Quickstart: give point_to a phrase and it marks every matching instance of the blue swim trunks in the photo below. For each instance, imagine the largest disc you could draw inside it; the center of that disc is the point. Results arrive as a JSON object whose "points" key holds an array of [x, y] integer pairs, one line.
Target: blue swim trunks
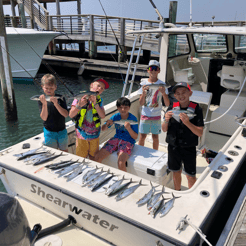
{"points": [[57, 140], [150, 126]]}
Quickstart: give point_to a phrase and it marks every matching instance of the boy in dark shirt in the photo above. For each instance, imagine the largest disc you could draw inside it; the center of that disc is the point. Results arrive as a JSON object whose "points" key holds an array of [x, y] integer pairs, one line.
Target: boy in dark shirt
{"points": [[53, 113], [182, 135]]}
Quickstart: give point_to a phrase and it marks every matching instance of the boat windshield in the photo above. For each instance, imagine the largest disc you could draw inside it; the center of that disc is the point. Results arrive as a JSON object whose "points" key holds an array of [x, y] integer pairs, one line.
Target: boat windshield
{"points": [[240, 44], [178, 45], [210, 43]]}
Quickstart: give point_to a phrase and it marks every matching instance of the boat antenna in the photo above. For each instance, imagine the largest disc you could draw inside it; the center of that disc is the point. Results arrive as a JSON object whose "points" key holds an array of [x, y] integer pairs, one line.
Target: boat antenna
{"points": [[158, 13], [121, 50], [190, 24]]}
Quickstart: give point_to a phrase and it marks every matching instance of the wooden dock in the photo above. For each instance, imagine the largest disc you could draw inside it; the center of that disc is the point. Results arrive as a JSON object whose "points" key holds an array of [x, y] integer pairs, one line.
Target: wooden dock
{"points": [[93, 64], [234, 233]]}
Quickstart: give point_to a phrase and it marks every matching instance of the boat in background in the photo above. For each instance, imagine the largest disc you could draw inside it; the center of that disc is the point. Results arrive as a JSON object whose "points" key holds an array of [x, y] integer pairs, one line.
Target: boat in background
{"points": [[215, 77], [26, 50]]}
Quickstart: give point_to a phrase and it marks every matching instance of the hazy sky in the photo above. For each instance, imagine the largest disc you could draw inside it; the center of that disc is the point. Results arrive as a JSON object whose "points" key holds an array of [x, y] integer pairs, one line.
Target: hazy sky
{"points": [[202, 10]]}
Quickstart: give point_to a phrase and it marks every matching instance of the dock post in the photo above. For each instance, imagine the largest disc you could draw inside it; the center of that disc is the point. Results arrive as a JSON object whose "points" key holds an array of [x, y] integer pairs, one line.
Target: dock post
{"points": [[6, 74], [92, 43], [82, 49], [172, 19], [122, 48], [13, 13], [22, 14]]}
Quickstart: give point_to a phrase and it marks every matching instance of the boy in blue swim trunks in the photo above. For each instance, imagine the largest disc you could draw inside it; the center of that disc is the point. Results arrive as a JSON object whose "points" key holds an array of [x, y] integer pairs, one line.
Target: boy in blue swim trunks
{"points": [[124, 139], [53, 114], [150, 100]]}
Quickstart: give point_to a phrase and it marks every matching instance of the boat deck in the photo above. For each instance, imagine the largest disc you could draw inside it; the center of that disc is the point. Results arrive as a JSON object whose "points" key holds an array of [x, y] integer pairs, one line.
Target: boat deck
{"points": [[79, 237]]}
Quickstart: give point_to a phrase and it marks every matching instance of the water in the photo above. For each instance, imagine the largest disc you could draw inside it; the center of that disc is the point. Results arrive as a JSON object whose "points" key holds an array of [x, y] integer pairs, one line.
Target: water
{"points": [[29, 122]]}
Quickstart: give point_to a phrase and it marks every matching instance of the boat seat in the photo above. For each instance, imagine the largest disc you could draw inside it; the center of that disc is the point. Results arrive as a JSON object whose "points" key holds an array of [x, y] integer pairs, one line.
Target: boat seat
{"points": [[231, 77], [182, 75]]}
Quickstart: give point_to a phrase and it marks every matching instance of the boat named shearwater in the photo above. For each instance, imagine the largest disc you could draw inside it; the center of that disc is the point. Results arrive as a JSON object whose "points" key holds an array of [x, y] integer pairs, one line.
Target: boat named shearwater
{"points": [[213, 61]]}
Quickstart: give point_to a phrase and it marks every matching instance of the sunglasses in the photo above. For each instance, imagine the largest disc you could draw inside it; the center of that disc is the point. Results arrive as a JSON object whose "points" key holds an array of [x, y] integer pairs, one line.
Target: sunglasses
{"points": [[153, 68]]}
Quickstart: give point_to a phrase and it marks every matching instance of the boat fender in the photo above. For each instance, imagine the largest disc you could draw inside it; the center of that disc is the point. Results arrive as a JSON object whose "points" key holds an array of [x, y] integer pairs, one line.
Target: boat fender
{"points": [[81, 69]]}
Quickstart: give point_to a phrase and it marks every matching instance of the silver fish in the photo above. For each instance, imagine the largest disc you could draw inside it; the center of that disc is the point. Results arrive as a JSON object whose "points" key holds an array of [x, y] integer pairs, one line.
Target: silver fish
{"points": [[75, 172], [61, 166], [156, 86], [46, 159], [99, 180], [28, 153], [89, 173], [57, 164], [37, 156], [156, 208], [154, 199], [112, 187], [167, 206], [147, 196], [67, 170], [177, 112], [120, 188], [36, 98], [122, 122], [128, 191], [92, 178], [83, 93], [100, 184]]}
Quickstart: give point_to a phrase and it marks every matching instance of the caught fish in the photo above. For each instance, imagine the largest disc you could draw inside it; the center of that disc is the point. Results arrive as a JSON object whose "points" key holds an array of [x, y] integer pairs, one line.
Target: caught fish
{"points": [[62, 166], [100, 180], [147, 196], [167, 206], [126, 192], [177, 112], [120, 188], [156, 208], [83, 93], [28, 153], [46, 159], [75, 172], [112, 187], [92, 178], [56, 164], [100, 184], [89, 173], [36, 98], [122, 122], [156, 86], [37, 156], [67, 170], [154, 199]]}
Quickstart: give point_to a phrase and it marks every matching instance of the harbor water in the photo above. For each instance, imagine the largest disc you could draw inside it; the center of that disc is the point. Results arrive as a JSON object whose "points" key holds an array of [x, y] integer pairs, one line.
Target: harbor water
{"points": [[29, 122]]}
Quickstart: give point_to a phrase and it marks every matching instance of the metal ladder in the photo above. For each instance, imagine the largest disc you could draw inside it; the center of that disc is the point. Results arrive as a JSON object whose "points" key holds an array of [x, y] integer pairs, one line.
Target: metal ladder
{"points": [[133, 65]]}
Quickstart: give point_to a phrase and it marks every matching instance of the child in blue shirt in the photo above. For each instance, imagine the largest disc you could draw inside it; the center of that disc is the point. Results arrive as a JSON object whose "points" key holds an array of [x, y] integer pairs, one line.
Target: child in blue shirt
{"points": [[125, 137]]}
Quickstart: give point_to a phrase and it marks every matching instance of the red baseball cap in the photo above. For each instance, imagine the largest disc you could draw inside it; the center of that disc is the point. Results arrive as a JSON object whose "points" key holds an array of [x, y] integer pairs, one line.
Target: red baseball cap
{"points": [[181, 84], [103, 81]]}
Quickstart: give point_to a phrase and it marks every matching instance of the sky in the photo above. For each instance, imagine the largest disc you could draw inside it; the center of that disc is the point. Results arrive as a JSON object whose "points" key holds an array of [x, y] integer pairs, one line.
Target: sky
{"points": [[202, 10]]}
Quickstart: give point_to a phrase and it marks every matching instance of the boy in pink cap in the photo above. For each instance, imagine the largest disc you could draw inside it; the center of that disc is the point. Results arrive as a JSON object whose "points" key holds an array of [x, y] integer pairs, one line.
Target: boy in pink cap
{"points": [[88, 113]]}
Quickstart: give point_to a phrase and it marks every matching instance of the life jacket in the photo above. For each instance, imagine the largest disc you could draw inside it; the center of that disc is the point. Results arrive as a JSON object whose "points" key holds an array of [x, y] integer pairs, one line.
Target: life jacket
{"points": [[179, 134], [82, 113]]}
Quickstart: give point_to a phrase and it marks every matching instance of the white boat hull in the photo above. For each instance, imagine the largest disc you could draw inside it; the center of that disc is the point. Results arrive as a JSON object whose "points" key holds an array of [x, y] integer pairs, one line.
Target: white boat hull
{"points": [[26, 49]]}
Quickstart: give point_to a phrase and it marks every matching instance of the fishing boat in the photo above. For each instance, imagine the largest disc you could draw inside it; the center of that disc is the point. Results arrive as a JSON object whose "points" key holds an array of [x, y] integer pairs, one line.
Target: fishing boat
{"points": [[23, 41], [216, 73]]}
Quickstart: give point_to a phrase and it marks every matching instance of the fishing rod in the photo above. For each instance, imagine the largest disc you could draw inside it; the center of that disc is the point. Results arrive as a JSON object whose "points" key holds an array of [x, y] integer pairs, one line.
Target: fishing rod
{"points": [[47, 65], [112, 30], [156, 10]]}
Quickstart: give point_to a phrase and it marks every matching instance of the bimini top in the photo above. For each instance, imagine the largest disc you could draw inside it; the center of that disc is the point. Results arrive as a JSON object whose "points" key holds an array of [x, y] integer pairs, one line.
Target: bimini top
{"points": [[233, 30]]}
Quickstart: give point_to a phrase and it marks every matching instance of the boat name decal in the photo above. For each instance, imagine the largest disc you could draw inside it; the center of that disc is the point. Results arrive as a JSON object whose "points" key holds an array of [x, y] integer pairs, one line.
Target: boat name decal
{"points": [[103, 223]]}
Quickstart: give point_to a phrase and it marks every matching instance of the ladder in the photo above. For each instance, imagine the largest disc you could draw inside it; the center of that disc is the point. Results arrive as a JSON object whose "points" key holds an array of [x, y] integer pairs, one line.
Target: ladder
{"points": [[132, 67]]}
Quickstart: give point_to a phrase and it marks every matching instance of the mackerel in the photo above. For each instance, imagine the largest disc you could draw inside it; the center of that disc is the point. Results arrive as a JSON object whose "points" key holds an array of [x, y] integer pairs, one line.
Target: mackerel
{"points": [[100, 184], [92, 177], [67, 170], [83, 93], [122, 122], [62, 166], [36, 98], [156, 86], [75, 172], [46, 160], [38, 156], [89, 173], [126, 192], [156, 208], [57, 163], [167, 206], [99, 180], [27, 152], [147, 196], [112, 187], [120, 188], [30, 154], [154, 199]]}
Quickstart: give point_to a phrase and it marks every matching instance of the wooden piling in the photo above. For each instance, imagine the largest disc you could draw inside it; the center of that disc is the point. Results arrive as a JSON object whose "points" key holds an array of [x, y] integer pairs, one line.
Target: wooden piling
{"points": [[6, 74]]}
